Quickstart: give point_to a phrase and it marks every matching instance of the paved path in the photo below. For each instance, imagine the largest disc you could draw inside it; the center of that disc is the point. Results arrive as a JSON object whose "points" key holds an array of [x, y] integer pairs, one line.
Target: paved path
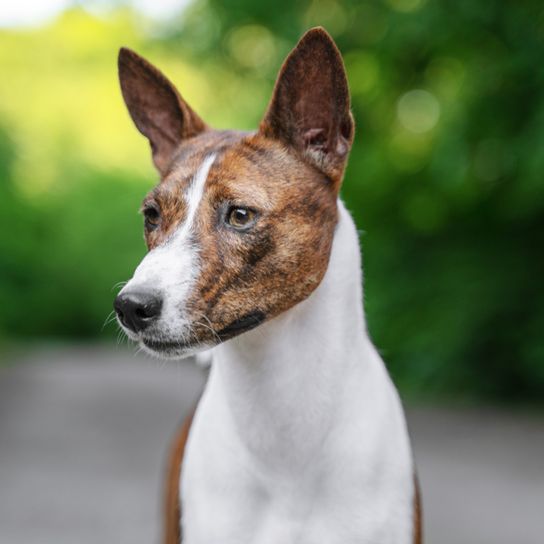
{"points": [[83, 434]]}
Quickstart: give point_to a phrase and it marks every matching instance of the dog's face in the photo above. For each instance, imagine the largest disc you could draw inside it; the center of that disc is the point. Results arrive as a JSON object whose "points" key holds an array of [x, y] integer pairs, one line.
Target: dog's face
{"points": [[240, 226]]}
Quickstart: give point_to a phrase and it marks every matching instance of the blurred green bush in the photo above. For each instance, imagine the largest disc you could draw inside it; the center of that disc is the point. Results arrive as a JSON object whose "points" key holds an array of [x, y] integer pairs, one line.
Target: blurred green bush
{"points": [[445, 178]]}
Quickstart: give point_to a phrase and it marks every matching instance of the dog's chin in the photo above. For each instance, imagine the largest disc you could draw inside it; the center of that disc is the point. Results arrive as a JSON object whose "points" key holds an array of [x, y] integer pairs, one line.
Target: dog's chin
{"points": [[165, 349], [170, 349]]}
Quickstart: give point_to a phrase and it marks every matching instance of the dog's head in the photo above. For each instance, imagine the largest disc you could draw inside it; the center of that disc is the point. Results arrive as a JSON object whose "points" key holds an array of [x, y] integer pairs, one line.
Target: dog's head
{"points": [[240, 226]]}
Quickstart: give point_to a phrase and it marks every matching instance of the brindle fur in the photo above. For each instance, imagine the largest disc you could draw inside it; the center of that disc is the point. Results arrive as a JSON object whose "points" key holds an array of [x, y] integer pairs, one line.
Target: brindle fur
{"points": [[247, 272], [289, 174]]}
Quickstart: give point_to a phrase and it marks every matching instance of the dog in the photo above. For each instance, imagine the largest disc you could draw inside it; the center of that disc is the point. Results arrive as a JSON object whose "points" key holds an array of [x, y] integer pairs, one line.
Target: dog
{"points": [[299, 436]]}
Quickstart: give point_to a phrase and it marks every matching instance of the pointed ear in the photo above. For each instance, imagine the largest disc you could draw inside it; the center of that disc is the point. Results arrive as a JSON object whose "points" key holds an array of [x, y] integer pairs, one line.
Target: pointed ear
{"points": [[156, 107], [310, 107]]}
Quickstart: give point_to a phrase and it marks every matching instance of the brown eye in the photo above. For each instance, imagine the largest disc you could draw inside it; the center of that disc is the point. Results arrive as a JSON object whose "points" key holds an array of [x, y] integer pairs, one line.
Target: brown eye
{"points": [[240, 218], [152, 217]]}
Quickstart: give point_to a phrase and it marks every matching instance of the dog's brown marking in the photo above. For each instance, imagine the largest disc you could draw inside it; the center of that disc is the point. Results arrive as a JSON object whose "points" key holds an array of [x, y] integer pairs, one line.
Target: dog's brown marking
{"points": [[418, 513], [289, 172], [168, 195], [172, 508], [279, 261]]}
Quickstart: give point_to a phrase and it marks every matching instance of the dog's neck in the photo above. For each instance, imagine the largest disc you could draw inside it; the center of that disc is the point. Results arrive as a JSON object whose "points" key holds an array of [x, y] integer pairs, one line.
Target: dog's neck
{"points": [[284, 382]]}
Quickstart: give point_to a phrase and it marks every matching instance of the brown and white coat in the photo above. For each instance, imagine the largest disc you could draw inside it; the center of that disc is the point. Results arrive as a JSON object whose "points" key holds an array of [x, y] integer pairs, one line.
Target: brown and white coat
{"points": [[299, 435]]}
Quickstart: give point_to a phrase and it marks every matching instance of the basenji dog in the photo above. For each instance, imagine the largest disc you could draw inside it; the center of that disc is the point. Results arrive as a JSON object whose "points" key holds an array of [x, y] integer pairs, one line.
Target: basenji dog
{"points": [[299, 436]]}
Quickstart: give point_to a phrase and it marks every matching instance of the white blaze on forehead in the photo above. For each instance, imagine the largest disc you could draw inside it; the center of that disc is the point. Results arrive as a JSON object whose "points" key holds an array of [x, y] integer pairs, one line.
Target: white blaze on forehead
{"points": [[172, 267], [194, 195]]}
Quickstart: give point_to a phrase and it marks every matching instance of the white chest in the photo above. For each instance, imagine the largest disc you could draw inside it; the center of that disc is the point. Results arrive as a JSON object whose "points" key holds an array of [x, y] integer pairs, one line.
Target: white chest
{"points": [[356, 486]]}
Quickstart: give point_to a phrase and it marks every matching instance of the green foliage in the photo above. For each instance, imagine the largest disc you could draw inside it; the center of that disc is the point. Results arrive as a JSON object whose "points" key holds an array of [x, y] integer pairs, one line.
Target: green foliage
{"points": [[445, 178], [62, 255]]}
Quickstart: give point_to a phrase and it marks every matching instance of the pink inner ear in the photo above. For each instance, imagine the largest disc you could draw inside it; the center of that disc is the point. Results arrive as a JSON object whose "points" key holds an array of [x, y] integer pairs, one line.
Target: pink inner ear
{"points": [[315, 137], [342, 146]]}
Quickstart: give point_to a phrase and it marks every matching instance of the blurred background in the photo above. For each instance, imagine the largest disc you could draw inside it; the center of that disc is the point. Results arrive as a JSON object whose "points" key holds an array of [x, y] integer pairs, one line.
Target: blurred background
{"points": [[445, 182]]}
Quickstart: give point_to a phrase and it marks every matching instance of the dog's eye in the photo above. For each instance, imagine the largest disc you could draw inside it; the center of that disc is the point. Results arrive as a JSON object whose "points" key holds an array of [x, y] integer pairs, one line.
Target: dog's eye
{"points": [[240, 218], [152, 217]]}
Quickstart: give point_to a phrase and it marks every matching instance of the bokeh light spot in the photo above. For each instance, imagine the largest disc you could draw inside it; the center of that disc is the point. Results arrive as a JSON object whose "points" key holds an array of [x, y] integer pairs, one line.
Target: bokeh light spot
{"points": [[252, 46], [418, 111]]}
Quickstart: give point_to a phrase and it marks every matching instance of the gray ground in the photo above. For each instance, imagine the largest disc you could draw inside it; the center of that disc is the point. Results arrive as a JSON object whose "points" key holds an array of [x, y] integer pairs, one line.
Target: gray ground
{"points": [[83, 435]]}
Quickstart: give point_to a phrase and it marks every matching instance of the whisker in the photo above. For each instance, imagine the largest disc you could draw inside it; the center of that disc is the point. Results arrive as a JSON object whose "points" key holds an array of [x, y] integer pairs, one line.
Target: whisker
{"points": [[109, 319], [119, 284], [120, 336], [213, 331]]}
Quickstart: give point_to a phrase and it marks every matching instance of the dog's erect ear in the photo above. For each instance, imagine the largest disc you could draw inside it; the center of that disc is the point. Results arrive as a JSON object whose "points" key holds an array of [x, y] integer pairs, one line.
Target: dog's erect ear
{"points": [[310, 107], [157, 109]]}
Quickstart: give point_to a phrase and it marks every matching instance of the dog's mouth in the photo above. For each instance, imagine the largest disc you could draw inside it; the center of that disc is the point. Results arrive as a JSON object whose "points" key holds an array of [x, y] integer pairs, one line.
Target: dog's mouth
{"points": [[242, 324], [184, 347], [170, 348], [159, 345]]}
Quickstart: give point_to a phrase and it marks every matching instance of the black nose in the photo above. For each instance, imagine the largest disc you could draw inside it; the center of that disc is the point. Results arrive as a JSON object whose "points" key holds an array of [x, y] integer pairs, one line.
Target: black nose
{"points": [[137, 310]]}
